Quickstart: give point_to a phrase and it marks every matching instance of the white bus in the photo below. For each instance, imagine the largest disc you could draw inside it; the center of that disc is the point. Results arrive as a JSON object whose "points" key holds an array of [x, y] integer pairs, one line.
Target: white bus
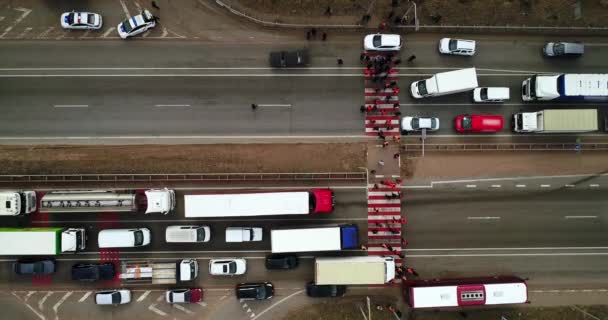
{"points": [[439, 293]]}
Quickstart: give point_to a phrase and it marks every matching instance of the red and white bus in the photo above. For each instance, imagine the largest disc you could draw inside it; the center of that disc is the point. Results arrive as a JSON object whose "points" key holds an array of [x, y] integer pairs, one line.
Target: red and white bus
{"points": [[465, 292]]}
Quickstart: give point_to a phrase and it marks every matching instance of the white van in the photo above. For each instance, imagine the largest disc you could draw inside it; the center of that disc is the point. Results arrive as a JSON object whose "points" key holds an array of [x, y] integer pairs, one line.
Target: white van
{"points": [[124, 238], [491, 94], [244, 234], [187, 234]]}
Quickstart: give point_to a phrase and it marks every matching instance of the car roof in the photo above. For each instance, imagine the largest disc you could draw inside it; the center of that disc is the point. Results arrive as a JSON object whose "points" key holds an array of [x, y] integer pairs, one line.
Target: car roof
{"points": [[393, 40], [466, 44]]}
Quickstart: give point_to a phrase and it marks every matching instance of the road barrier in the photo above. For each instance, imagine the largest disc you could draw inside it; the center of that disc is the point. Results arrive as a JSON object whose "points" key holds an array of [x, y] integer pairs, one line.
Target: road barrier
{"points": [[187, 177], [506, 147]]}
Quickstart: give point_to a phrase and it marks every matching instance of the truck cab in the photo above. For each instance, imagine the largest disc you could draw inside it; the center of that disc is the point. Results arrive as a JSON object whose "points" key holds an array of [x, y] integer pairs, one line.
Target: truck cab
{"points": [[16, 203], [73, 240], [160, 201], [525, 122], [322, 201]]}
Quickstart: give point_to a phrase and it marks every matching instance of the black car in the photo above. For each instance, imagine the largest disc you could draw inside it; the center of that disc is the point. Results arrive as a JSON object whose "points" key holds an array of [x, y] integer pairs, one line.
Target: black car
{"points": [[278, 261], [34, 266], [313, 290], [93, 271], [255, 291], [289, 59]]}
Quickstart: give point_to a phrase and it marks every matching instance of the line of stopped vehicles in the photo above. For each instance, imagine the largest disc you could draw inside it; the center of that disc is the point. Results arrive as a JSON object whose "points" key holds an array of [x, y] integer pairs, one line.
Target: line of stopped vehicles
{"points": [[41, 244], [542, 87]]}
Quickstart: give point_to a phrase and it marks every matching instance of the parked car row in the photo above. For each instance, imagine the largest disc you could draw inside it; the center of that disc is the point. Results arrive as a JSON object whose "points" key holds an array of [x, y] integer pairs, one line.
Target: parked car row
{"points": [[93, 21], [138, 237], [463, 47], [464, 123]]}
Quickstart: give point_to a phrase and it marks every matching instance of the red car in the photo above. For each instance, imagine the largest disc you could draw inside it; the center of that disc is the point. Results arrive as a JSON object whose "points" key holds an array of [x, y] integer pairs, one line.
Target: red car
{"points": [[478, 123]]}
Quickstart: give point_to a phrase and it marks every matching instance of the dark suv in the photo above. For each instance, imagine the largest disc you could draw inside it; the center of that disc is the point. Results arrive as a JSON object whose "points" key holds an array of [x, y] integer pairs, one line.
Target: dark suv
{"points": [[34, 266], [255, 291], [278, 261], [93, 271], [313, 290]]}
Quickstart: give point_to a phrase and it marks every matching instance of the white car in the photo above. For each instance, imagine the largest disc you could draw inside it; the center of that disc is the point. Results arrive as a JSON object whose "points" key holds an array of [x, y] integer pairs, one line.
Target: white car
{"points": [[382, 42], [136, 25], [457, 47], [116, 296], [244, 234], [418, 123], [81, 20], [491, 94], [227, 267]]}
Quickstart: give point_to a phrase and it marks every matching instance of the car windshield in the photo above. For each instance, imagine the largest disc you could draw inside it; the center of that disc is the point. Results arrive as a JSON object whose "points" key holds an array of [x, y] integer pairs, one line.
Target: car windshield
{"points": [[70, 18], [187, 296], [261, 292], [139, 238], [453, 45], [483, 93], [422, 88], [127, 25], [231, 267], [558, 48], [90, 18], [433, 123], [200, 234], [312, 203], [466, 123], [377, 41], [415, 123], [115, 298]]}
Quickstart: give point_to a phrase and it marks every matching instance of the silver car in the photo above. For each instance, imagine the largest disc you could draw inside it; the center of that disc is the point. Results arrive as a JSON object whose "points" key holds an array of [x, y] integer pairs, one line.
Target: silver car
{"points": [[419, 123]]}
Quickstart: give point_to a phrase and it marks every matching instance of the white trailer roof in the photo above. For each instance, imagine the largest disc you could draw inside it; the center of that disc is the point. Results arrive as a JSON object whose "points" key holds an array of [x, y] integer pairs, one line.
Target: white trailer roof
{"points": [[457, 80], [447, 296], [353, 270], [246, 204], [586, 84], [304, 240], [28, 243]]}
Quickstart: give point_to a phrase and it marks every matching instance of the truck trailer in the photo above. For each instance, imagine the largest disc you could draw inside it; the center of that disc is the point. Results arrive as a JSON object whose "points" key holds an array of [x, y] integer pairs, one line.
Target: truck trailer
{"points": [[41, 241], [556, 121], [17, 202], [148, 201], [354, 270], [445, 83], [320, 238], [159, 272], [568, 87], [259, 203]]}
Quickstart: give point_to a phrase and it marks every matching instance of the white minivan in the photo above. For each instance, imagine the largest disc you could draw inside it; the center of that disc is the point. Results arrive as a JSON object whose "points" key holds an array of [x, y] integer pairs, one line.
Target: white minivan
{"points": [[491, 94], [124, 238], [187, 234], [244, 234]]}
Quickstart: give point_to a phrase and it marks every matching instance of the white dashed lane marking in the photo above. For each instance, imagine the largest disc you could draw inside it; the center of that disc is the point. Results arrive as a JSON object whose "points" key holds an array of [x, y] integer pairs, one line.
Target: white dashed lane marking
{"points": [[43, 300], [25, 13], [143, 296]]}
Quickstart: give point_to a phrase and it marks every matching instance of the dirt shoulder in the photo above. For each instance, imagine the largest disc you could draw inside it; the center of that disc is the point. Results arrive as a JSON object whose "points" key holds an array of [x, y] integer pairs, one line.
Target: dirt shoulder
{"points": [[246, 158], [553, 13]]}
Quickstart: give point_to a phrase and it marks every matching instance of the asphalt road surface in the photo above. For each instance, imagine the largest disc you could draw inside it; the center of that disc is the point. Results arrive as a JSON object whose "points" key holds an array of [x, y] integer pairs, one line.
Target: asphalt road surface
{"points": [[128, 89]]}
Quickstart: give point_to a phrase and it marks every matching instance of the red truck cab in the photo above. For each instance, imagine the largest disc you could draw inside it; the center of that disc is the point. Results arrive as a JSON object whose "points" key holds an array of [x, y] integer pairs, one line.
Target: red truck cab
{"points": [[322, 200], [478, 123]]}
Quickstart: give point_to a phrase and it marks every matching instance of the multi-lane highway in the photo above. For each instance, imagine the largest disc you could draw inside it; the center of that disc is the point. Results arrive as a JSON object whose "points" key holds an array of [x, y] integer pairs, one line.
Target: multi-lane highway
{"points": [[521, 232], [136, 89]]}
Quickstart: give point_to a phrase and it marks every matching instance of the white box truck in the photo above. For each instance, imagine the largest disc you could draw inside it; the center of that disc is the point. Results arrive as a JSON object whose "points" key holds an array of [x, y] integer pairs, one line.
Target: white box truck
{"points": [[17, 202], [148, 201], [259, 203], [445, 83], [159, 272], [576, 87], [556, 121], [321, 238], [41, 241], [354, 270]]}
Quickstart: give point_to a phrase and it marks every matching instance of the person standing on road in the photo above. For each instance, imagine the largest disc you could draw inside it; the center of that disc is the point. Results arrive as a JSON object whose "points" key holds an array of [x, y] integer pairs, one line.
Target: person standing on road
{"points": [[381, 162], [254, 106], [411, 58]]}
